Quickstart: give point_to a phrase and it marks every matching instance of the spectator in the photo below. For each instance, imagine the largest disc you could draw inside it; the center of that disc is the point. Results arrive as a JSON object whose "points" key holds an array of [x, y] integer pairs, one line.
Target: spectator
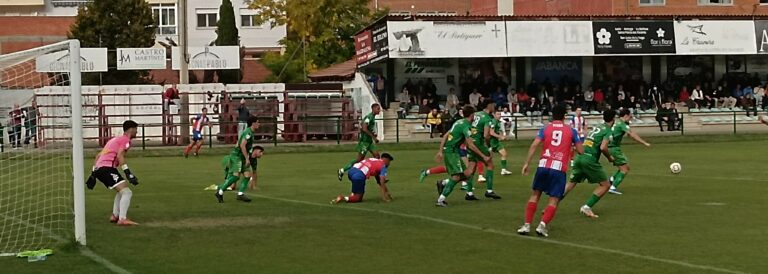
{"points": [[474, 97], [451, 109], [30, 123], [243, 114], [599, 99], [610, 96], [673, 117], [697, 96], [589, 99], [662, 116], [452, 99], [656, 97], [729, 98], [433, 103], [684, 96], [424, 107], [533, 108], [632, 104], [404, 98], [433, 121], [171, 96], [758, 98], [745, 98], [17, 116], [621, 96], [579, 98], [381, 91], [549, 103], [446, 122], [522, 99], [500, 98], [512, 100], [709, 98]]}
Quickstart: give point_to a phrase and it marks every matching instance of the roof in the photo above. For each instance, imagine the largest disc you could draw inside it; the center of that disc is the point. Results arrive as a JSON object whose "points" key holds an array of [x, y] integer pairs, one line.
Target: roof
{"points": [[338, 72]]}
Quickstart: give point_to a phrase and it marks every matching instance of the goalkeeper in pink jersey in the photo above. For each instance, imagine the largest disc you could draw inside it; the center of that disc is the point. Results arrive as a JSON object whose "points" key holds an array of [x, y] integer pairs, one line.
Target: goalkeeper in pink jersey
{"points": [[105, 167]]}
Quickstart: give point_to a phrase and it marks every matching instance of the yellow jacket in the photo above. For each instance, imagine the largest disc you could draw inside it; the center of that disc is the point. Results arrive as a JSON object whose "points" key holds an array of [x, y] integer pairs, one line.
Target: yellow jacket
{"points": [[433, 119]]}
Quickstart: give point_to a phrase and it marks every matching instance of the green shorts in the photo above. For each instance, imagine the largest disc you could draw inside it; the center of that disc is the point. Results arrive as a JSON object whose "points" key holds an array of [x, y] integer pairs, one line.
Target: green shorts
{"points": [[364, 147], [619, 159], [453, 163], [496, 145], [234, 163], [587, 168], [473, 157]]}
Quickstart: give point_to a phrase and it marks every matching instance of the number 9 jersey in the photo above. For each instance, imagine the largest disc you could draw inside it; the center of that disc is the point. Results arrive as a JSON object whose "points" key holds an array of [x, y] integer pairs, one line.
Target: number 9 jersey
{"points": [[558, 140]]}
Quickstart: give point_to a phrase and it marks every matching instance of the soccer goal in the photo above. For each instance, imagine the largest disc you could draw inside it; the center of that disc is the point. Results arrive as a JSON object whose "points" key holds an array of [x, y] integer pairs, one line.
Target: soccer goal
{"points": [[41, 160]]}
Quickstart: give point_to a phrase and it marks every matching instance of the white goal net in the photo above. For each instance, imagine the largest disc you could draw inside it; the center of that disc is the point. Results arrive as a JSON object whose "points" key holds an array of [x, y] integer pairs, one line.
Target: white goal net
{"points": [[37, 208]]}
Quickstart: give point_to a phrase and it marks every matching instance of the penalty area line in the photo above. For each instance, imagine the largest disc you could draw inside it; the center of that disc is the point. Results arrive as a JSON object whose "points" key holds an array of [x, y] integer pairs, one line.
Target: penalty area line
{"points": [[512, 234], [84, 250]]}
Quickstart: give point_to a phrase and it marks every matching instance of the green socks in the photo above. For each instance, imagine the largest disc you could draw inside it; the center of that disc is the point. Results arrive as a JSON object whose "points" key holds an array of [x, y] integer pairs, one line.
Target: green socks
{"points": [[593, 200], [449, 187], [243, 185], [618, 178], [349, 165], [471, 183], [489, 179], [231, 179], [504, 164]]}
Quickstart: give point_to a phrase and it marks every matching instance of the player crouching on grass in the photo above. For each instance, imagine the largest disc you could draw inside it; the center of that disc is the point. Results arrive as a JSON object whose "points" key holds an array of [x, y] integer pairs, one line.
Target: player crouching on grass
{"points": [[239, 162], [363, 170], [105, 170], [257, 152], [557, 139]]}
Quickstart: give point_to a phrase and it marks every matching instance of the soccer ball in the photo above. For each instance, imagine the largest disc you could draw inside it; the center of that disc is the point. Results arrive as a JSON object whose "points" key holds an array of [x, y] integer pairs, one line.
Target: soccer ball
{"points": [[675, 168]]}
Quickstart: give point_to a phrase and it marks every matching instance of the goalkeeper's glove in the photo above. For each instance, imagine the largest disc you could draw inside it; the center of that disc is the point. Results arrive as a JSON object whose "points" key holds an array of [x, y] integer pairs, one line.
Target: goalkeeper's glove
{"points": [[91, 182], [131, 178]]}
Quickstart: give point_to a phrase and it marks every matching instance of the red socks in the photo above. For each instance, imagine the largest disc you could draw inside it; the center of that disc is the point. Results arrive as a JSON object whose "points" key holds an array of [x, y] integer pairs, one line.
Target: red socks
{"points": [[549, 213], [355, 198], [197, 149], [437, 170], [186, 150], [530, 210], [480, 168]]}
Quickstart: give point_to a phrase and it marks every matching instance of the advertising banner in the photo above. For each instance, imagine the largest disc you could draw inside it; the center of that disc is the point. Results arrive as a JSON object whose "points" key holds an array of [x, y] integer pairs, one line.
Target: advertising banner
{"points": [[556, 69], [424, 39], [371, 45], [715, 37], [91, 60], [140, 58], [549, 38], [633, 37], [209, 58]]}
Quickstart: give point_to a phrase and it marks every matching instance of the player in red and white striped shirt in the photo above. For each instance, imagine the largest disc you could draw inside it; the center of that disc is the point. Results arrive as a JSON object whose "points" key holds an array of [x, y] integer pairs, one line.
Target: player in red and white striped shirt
{"points": [[557, 139], [577, 122], [196, 141]]}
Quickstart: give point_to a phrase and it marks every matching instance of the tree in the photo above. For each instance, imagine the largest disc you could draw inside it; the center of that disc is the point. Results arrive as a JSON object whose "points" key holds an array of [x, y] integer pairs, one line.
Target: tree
{"points": [[320, 33], [227, 35], [115, 24]]}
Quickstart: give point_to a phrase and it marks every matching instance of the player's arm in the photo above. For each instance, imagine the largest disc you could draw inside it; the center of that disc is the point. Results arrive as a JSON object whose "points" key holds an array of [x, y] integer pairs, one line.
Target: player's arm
{"points": [[487, 134], [381, 180], [577, 142], [244, 151], [368, 132], [637, 138], [496, 135], [531, 151], [604, 150], [121, 162]]}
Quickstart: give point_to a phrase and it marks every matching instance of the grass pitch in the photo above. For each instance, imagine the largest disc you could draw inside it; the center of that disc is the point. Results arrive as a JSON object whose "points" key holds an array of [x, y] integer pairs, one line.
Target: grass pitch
{"points": [[708, 219]]}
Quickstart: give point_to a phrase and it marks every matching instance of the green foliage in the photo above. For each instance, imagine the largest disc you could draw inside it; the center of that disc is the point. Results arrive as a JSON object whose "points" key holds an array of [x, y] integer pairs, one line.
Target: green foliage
{"points": [[327, 28], [115, 24], [227, 35]]}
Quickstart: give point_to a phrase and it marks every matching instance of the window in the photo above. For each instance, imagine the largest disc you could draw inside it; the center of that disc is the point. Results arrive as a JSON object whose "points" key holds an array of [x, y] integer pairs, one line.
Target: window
{"points": [[165, 18], [207, 18], [247, 18], [652, 2], [715, 2]]}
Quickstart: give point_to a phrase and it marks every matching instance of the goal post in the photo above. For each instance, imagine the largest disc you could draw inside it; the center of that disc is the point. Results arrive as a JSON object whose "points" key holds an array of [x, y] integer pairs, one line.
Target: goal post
{"points": [[42, 170]]}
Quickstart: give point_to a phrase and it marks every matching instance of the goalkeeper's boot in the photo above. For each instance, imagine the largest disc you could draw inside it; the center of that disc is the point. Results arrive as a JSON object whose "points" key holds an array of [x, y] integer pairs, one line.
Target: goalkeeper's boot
{"points": [[243, 198], [219, 197], [126, 222], [340, 174], [113, 219], [423, 176]]}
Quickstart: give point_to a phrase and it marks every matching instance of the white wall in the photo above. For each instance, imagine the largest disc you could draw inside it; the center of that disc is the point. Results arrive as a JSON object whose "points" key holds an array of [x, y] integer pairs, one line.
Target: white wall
{"points": [[250, 37]]}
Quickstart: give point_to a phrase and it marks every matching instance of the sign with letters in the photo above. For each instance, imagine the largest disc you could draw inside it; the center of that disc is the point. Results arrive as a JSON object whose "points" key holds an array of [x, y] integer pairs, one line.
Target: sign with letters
{"points": [[449, 39], [549, 38], [371, 45], [140, 58], [209, 58], [91, 60], [761, 36], [633, 37], [715, 37]]}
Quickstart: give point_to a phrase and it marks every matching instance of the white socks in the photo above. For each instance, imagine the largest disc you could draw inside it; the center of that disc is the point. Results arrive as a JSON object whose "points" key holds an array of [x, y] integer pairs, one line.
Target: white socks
{"points": [[116, 206], [441, 198], [125, 202]]}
